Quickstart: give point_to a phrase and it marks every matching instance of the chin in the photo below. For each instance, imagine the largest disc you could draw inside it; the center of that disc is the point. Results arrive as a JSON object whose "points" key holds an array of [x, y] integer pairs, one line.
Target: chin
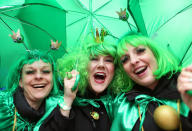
{"points": [[41, 96], [99, 89]]}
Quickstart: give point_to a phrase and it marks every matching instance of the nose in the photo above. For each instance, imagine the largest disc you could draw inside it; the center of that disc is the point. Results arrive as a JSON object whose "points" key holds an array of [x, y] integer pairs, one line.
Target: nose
{"points": [[134, 59], [101, 64], [38, 75]]}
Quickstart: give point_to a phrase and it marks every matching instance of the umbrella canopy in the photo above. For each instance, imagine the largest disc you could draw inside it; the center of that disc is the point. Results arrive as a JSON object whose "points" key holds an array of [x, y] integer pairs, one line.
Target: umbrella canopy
{"points": [[63, 20], [39, 21], [84, 16], [167, 22]]}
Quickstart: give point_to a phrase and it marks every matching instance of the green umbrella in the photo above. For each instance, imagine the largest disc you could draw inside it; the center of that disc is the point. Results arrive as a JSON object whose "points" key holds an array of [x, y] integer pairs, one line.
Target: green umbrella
{"points": [[168, 22], [68, 21], [84, 16], [39, 21]]}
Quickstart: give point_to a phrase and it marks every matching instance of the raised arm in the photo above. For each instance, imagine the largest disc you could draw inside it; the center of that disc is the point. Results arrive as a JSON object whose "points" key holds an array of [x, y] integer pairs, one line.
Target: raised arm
{"points": [[69, 95]]}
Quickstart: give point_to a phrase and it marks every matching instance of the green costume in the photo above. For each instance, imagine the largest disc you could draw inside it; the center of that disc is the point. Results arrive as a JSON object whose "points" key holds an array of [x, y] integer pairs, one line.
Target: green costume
{"points": [[7, 113], [125, 113]]}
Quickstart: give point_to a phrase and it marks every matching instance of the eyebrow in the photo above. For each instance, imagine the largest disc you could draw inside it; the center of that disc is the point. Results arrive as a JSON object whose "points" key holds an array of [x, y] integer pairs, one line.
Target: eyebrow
{"points": [[139, 46], [31, 67], [108, 56]]}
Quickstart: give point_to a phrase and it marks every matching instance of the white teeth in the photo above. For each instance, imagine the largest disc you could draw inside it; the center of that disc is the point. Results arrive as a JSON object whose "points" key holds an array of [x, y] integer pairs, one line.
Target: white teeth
{"points": [[38, 85], [102, 74], [140, 69]]}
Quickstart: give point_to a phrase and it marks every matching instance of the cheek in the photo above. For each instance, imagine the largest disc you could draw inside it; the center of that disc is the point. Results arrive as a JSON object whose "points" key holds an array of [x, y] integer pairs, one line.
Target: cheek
{"points": [[153, 63], [91, 67], [50, 78], [111, 70], [25, 79], [155, 66], [126, 67]]}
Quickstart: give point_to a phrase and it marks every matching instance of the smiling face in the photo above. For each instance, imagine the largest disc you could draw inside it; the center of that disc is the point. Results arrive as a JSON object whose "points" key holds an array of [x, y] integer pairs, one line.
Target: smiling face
{"points": [[36, 81], [101, 71], [139, 63]]}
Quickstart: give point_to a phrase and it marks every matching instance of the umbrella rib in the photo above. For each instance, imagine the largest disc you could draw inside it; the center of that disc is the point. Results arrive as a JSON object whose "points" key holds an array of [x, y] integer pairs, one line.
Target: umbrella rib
{"points": [[115, 19], [102, 6], [45, 5], [26, 5], [76, 21], [14, 9], [27, 23], [98, 21], [74, 11], [106, 28], [6, 24], [174, 16], [185, 53], [12, 30], [110, 16], [81, 32], [106, 16]]}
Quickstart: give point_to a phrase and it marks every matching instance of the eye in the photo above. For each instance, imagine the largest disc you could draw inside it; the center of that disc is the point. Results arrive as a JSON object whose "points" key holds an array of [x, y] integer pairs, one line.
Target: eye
{"points": [[28, 72], [46, 71], [109, 60], [140, 50], [93, 58], [124, 59]]}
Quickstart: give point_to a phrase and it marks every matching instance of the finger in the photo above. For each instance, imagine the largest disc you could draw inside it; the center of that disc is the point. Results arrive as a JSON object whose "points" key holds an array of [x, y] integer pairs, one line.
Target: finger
{"points": [[75, 72], [185, 73], [188, 68], [182, 88]]}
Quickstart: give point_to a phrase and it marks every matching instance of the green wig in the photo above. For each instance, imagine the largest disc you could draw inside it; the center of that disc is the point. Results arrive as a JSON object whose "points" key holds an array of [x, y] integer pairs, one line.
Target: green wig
{"points": [[82, 57], [15, 73], [166, 62]]}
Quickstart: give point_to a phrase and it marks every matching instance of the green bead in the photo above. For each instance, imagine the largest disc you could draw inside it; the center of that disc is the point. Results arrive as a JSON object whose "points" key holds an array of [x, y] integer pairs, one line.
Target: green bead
{"points": [[189, 92]]}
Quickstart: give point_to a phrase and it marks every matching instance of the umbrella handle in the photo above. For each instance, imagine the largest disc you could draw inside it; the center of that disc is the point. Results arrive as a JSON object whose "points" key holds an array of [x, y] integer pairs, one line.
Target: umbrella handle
{"points": [[76, 83]]}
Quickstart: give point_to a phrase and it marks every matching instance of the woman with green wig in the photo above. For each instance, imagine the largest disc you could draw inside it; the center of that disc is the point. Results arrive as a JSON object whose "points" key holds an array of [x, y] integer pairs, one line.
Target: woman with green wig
{"points": [[31, 92], [84, 108], [153, 103]]}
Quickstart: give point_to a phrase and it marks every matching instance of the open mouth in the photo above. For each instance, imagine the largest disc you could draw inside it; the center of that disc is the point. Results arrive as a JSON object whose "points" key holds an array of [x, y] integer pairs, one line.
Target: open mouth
{"points": [[99, 77], [39, 86], [140, 70]]}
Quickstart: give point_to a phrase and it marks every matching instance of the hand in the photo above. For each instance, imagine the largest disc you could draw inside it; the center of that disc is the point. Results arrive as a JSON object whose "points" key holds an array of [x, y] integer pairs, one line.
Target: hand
{"points": [[184, 83], [70, 95]]}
